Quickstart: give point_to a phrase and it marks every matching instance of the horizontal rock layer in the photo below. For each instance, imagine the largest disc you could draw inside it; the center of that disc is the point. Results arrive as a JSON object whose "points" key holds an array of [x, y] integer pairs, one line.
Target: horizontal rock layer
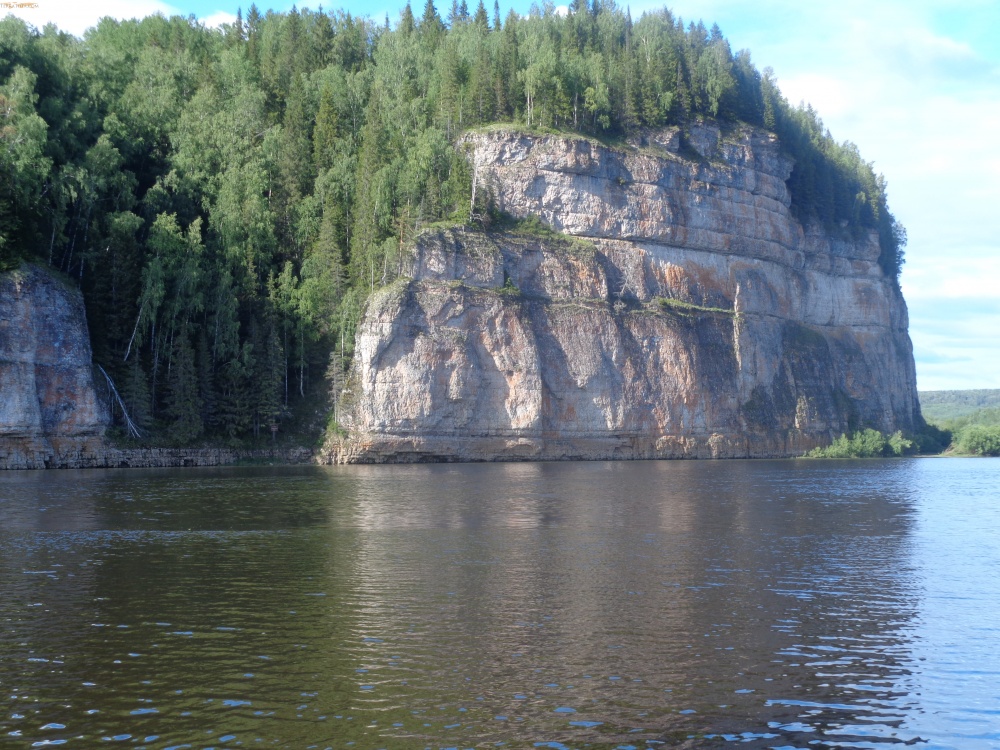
{"points": [[683, 312]]}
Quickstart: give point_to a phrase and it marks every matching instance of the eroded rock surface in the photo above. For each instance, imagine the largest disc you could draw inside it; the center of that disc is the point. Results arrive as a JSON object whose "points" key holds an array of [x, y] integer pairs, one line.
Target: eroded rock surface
{"points": [[49, 407], [683, 312]]}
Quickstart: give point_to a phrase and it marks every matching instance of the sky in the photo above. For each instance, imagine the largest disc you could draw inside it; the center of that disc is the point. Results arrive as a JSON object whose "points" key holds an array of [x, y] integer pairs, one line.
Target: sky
{"points": [[914, 83]]}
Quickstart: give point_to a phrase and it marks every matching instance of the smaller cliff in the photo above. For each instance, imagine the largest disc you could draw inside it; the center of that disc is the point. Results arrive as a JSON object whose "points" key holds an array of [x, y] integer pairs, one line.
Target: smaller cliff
{"points": [[50, 410]]}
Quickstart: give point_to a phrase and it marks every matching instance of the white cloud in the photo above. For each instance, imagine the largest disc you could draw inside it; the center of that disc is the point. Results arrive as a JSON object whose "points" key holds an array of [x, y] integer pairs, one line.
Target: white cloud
{"points": [[826, 94], [218, 18], [977, 277], [77, 17]]}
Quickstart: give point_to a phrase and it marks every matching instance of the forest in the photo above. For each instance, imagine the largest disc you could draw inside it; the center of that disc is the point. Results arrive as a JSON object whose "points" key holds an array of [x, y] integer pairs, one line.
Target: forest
{"points": [[228, 198], [969, 419]]}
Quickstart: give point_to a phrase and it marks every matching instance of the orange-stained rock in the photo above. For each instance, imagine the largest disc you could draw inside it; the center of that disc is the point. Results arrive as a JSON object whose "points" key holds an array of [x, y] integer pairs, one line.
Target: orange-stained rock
{"points": [[48, 402]]}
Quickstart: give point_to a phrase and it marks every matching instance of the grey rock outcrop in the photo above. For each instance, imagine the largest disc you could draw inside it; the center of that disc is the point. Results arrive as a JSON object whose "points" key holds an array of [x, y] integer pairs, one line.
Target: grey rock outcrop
{"points": [[682, 312], [49, 407]]}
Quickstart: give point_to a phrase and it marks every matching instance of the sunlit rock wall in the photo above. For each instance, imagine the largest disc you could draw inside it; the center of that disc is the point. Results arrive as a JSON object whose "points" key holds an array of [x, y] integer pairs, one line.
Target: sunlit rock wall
{"points": [[682, 312]]}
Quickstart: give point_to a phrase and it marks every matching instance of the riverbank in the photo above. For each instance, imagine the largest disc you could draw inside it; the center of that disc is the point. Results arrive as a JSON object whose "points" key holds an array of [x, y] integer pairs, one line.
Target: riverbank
{"points": [[99, 455]]}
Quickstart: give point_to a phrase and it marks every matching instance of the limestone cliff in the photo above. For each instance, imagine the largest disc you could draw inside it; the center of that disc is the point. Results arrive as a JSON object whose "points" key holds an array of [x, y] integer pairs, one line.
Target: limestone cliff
{"points": [[49, 408], [682, 312]]}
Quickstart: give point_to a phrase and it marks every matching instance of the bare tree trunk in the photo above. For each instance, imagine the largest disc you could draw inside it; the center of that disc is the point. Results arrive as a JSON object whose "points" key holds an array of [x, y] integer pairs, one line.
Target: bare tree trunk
{"points": [[138, 317], [130, 426]]}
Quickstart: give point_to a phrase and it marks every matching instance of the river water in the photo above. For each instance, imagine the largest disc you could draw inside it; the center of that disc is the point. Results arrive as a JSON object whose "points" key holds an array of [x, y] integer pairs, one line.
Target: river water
{"points": [[772, 604]]}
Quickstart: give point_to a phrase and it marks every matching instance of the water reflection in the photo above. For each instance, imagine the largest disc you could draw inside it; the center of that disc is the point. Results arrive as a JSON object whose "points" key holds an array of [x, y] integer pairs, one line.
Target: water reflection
{"points": [[775, 604], [658, 597]]}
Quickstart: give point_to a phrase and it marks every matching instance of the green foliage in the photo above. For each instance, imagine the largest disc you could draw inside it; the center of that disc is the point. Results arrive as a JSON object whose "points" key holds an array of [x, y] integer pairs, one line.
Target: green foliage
{"points": [[970, 420], [979, 440], [987, 416], [681, 306], [228, 198], [509, 288], [932, 439], [867, 443], [897, 444], [24, 165], [973, 432], [942, 407], [183, 405], [531, 225]]}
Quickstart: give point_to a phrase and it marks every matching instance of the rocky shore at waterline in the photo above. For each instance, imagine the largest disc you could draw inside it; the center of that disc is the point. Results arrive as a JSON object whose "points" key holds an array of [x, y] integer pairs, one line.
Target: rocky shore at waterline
{"points": [[97, 455]]}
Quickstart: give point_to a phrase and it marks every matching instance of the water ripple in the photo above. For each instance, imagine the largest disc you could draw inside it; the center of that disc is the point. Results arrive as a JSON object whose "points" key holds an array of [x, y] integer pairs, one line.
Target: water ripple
{"points": [[769, 604]]}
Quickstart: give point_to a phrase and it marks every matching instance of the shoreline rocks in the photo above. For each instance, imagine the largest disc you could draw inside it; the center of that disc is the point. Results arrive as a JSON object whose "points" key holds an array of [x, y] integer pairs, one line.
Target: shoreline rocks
{"points": [[97, 455]]}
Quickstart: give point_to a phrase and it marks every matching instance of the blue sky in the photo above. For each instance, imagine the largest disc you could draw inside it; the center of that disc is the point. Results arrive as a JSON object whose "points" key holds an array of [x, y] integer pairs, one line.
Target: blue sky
{"points": [[914, 83]]}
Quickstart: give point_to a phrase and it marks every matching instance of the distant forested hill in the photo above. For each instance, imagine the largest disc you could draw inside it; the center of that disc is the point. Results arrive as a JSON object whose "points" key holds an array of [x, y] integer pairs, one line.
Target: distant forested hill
{"points": [[972, 418], [228, 198], [943, 406]]}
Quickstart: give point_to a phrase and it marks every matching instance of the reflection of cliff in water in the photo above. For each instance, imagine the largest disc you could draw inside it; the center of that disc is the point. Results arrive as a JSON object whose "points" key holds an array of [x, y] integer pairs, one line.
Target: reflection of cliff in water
{"points": [[603, 603], [676, 598]]}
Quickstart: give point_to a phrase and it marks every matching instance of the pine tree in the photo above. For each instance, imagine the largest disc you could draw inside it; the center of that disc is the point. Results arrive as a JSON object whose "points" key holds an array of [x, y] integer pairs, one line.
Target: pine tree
{"points": [[321, 39], [369, 202], [183, 404], [253, 33], [134, 389], [292, 55], [326, 131], [406, 21], [770, 96], [430, 22], [482, 19], [294, 161], [481, 83], [234, 31]]}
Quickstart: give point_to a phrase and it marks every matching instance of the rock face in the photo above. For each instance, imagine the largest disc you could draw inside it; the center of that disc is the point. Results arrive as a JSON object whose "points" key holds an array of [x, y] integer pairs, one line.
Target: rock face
{"points": [[48, 404], [679, 311]]}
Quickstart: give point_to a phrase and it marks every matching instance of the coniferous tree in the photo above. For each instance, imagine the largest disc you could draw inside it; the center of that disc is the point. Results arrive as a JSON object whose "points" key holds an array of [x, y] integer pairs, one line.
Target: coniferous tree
{"points": [[253, 33], [326, 132], [296, 137], [430, 21], [482, 19], [183, 404], [234, 31], [370, 196], [406, 21]]}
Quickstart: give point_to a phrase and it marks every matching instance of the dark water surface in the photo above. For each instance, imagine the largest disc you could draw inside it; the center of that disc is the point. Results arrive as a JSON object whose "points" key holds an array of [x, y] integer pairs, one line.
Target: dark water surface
{"points": [[785, 604]]}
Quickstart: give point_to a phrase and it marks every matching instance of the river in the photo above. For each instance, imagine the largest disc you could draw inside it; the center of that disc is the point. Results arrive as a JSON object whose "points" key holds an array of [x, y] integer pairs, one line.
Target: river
{"points": [[771, 604]]}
